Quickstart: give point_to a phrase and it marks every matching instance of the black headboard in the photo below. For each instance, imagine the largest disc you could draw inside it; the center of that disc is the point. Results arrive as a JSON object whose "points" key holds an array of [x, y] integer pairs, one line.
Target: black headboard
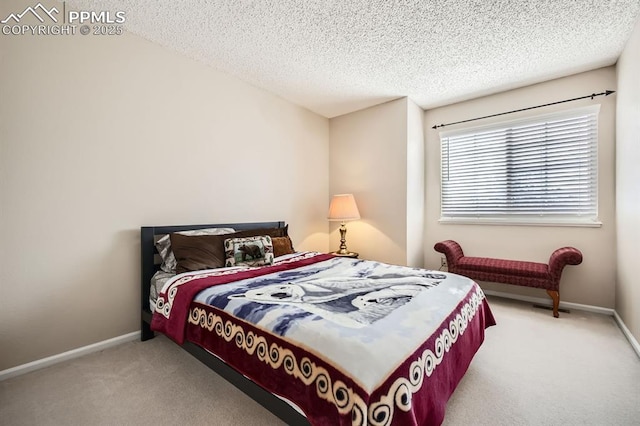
{"points": [[149, 263]]}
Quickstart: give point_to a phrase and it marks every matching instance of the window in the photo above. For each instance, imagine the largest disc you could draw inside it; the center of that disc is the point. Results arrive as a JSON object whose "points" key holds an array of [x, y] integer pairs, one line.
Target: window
{"points": [[540, 170]]}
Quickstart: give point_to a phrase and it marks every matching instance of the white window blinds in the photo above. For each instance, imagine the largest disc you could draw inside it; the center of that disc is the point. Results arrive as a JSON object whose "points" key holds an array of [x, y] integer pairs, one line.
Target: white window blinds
{"points": [[541, 169]]}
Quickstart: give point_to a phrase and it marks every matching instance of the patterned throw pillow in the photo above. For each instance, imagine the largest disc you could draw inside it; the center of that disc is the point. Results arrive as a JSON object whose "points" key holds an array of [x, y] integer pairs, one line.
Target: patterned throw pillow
{"points": [[249, 251]]}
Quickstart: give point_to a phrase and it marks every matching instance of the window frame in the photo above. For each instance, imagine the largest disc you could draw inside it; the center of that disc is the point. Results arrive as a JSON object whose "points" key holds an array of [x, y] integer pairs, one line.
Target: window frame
{"points": [[520, 219]]}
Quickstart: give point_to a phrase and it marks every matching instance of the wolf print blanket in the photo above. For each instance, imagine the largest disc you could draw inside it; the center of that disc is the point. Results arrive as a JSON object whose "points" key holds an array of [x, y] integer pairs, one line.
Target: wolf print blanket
{"points": [[348, 341]]}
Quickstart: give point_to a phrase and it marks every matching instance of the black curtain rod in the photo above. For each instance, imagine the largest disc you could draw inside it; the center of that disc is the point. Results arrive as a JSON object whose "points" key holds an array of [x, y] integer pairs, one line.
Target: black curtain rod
{"points": [[593, 95]]}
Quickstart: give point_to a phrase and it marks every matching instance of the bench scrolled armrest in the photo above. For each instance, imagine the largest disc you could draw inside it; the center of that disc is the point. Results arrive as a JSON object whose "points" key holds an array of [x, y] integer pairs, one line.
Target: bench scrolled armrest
{"points": [[562, 257], [452, 251]]}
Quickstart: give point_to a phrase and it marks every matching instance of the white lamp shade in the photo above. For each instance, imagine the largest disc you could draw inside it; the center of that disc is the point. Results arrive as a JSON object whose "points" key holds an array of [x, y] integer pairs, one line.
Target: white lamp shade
{"points": [[343, 207]]}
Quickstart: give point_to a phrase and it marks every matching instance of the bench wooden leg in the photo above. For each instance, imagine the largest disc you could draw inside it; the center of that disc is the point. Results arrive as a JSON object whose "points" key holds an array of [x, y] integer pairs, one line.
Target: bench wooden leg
{"points": [[555, 296]]}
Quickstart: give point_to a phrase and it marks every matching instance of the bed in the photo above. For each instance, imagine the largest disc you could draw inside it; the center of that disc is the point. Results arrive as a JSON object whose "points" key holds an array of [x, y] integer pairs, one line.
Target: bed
{"points": [[315, 338]]}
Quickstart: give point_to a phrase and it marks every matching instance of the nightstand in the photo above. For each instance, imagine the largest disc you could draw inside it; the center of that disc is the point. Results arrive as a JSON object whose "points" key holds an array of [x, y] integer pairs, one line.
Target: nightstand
{"points": [[350, 254]]}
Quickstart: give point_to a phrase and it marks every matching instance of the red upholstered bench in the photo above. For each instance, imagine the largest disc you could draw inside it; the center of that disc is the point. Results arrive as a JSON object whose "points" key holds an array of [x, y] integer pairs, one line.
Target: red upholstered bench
{"points": [[528, 274]]}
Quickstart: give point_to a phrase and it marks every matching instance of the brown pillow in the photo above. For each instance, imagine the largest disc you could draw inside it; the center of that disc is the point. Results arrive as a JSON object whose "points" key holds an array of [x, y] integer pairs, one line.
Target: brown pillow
{"points": [[281, 246], [197, 252]]}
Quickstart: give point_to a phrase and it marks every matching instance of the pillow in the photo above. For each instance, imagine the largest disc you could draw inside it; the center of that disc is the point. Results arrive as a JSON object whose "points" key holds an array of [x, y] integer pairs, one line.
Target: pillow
{"points": [[272, 232], [249, 251], [163, 245], [196, 252], [282, 246]]}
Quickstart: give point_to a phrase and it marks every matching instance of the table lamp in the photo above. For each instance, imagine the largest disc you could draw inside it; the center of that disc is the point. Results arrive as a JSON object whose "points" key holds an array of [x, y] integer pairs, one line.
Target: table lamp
{"points": [[342, 209]]}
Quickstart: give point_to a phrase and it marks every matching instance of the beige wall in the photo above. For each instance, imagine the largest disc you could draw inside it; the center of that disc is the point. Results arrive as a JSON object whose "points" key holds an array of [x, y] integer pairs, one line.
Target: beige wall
{"points": [[628, 184], [415, 185], [593, 282], [102, 135], [368, 157], [99, 136]]}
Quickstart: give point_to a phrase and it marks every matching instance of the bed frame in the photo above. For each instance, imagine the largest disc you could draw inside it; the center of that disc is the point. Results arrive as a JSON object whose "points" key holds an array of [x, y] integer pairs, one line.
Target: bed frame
{"points": [[150, 263]]}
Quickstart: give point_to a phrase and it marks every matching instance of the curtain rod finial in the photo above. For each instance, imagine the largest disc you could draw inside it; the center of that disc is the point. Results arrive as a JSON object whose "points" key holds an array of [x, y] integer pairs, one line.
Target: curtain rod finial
{"points": [[608, 92]]}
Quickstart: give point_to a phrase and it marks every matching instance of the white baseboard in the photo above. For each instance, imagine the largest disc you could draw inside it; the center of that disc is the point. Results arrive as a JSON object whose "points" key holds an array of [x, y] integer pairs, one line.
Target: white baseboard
{"points": [[549, 302], [74, 353], [577, 306], [627, 333]]}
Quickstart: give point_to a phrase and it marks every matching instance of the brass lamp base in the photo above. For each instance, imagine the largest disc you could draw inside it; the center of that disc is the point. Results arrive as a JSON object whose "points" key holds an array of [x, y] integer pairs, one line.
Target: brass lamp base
{"points": [[343, 251], [351, 254]]}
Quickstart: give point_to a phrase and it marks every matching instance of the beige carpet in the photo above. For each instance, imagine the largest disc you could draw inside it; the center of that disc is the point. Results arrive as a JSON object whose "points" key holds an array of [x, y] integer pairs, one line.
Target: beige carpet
{"points": [[532, 370]]}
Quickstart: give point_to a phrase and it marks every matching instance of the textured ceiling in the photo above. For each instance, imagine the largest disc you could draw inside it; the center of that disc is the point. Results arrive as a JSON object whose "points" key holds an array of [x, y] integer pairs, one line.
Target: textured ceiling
{"points": [[338, 56]]}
